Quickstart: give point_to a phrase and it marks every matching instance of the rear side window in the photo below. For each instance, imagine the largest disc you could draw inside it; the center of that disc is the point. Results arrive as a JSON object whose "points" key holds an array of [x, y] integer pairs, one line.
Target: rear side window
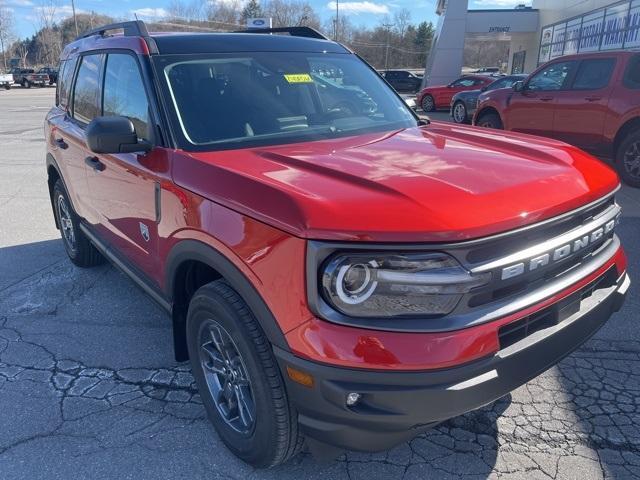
{"points": [[64, 82], [85, 92], [632, 75], [124, 92], [594, 74]]}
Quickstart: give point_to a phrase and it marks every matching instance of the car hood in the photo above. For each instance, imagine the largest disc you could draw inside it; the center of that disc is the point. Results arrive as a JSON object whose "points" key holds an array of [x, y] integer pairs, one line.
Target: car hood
{"points": [[429, 184]]}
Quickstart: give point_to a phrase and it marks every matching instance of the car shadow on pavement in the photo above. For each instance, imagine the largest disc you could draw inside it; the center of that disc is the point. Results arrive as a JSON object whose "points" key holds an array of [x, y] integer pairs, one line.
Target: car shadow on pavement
{"points": [[600, 383]]}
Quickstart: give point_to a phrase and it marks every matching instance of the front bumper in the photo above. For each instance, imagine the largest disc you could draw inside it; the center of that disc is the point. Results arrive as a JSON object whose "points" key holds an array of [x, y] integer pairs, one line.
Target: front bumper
{"points": [[396, 406]]}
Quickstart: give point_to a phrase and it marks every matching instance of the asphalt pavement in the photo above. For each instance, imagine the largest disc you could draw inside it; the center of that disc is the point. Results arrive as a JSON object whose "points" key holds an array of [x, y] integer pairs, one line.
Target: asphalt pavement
{"points": [[89, 388]]}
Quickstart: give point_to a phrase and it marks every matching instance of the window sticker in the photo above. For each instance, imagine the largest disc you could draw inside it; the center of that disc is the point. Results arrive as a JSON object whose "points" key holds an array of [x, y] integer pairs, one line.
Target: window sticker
{"points": [[298, 78]]}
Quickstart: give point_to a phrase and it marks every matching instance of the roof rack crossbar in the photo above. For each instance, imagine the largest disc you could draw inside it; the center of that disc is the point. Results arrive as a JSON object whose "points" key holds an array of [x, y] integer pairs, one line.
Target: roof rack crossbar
{"points": [[307, 32], [134, 28]]}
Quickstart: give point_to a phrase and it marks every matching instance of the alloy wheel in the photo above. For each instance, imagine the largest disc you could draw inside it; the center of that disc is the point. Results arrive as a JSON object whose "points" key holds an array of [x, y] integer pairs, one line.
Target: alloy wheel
{"points": [[632, 160], [459, 113], [226, 377], [66, 224], [427, 103]]}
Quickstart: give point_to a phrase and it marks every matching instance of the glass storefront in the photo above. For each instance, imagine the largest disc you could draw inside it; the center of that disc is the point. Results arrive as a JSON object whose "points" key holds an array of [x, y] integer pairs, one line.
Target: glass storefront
{"points": [[614, 27]]}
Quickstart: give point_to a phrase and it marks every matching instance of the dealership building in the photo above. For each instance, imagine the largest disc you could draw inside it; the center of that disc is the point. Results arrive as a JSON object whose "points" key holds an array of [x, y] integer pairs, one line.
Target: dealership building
{"points": [[536, 34]]}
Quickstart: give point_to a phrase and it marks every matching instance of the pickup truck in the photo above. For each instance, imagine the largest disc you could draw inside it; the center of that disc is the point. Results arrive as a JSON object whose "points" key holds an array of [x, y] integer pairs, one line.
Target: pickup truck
{"points": [[6, 80], [27, 77], [52, 72]]}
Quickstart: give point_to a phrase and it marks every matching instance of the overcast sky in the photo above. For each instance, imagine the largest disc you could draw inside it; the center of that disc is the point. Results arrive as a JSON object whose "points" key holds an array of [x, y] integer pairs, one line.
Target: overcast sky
{"points": [[365, 12]]}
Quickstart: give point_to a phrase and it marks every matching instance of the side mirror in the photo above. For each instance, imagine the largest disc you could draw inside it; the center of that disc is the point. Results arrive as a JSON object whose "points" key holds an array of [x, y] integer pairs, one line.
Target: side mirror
{"points": [[114, 135], [518, 86], [484, 89]]}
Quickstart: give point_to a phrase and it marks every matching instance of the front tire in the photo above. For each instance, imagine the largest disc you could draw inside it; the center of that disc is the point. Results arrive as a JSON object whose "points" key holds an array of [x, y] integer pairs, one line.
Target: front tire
{"points": [[238, 378], [78, 247], [428, 103], [628, 159], [490, 120], [26, 84], [459, 112]]}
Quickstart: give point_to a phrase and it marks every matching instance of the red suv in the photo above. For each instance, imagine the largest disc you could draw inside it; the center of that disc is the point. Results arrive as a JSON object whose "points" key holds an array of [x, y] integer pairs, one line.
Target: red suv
{"points": [[439, 97], [352, 276], [591, 100]]}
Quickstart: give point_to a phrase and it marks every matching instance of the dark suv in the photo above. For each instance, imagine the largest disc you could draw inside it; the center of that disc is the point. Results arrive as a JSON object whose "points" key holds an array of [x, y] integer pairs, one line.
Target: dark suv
{"points": [[403, 80], [350, 275]]}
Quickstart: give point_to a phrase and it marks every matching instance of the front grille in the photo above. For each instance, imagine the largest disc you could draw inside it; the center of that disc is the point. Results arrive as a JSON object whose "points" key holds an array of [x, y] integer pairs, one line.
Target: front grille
{"points": [[530, 237], [553, 315], [494, 255]]}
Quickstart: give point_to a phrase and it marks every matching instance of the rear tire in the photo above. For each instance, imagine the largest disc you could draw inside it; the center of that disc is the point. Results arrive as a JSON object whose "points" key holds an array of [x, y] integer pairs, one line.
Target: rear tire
{"points": [[233, 364], [78, 247], [459, 112], [627, 159], [26, 84], [428, 103], [490, 120]]}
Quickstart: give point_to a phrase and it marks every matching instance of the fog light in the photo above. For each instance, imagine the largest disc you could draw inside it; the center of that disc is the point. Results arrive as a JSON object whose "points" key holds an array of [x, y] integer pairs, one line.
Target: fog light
{"points": [[353, 398]]}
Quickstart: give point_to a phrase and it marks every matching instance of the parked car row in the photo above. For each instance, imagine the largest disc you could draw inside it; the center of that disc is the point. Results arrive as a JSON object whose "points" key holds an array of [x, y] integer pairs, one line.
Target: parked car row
{"points": [[28, 77]]}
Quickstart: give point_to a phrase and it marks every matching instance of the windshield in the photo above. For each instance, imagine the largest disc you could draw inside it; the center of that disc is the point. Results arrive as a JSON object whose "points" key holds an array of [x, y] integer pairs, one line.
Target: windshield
{"points": [[259, 98]]}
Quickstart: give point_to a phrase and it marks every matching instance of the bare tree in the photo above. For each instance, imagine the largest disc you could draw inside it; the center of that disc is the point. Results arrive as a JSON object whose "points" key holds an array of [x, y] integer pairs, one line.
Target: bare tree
{"points": [[6, 30], [291, 13], [224, 13], [48, 35], [191, 11], [402, 20]]}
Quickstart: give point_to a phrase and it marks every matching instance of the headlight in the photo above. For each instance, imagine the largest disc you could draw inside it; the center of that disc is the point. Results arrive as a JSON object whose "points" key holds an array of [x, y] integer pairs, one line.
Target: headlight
{"points": [[388, 285]]}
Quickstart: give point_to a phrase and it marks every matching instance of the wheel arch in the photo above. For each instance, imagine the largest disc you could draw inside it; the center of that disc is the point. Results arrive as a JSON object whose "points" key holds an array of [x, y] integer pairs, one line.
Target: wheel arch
{"points": [[629, 126], [489, 109], [53, 175], [191, 264]]}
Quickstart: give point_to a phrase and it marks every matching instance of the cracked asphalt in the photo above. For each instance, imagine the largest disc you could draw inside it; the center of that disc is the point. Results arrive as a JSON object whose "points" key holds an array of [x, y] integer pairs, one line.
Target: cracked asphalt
{"points": [[89, 388]]}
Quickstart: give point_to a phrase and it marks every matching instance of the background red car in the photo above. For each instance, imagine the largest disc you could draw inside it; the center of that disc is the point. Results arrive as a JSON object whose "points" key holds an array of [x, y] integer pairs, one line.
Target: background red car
{"points": [[590, 100], [435, 97]]}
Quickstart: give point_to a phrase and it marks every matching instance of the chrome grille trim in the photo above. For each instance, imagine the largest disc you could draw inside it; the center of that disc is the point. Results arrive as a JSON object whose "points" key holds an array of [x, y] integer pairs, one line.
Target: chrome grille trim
{"points": [[612, 214]]}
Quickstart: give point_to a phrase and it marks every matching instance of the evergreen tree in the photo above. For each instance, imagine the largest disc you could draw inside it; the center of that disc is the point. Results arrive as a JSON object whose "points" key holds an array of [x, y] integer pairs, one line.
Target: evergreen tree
{"points": [[252, 10]]}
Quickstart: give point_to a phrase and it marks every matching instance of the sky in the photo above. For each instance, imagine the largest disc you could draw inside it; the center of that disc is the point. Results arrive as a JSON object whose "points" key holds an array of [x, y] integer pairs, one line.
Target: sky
{"points": [[360, 12]]}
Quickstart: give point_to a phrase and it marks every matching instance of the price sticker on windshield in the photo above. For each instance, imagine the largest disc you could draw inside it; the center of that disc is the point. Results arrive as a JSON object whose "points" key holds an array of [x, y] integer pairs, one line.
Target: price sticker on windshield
{"points": [[298, 78]]}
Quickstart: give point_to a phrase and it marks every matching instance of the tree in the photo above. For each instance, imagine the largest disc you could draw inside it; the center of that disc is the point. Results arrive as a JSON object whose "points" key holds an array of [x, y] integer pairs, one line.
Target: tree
{"points": [[6, 30], [423, 40], [251, 10], [292, 13]]}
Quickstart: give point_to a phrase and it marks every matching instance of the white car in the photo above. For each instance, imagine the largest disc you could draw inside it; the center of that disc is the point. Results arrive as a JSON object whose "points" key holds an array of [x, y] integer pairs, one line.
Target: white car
{"points": [[6, 79]]}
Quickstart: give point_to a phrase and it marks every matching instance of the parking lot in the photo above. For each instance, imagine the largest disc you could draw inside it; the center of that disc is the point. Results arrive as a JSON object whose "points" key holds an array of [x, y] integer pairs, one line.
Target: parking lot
{"points": [[89, 387]]}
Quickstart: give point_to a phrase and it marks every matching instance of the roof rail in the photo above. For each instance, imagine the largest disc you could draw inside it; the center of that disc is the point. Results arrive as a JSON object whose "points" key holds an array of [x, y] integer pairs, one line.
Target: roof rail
{"points": [[134, 28], [307, 32]]}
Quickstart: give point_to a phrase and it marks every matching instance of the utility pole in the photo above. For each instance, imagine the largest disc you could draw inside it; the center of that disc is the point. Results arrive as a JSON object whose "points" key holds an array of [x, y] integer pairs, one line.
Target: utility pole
{"points": [[75, 19], [337, 25], [386, 54]]}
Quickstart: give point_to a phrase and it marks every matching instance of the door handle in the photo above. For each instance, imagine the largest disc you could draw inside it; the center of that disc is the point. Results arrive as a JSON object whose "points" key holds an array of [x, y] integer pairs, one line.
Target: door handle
{"points": [[95, 163], [61, 143], [592, 98], [546, 99]]}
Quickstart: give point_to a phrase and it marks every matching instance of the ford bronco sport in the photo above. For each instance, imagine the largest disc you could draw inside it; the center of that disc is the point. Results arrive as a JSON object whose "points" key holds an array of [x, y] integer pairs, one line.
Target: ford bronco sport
{"points": [[336, 271], [590, 100]]}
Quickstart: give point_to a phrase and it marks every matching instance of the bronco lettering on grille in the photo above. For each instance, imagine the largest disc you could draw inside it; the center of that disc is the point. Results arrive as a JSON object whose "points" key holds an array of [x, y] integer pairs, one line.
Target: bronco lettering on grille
{"points": [[558, 253]]}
